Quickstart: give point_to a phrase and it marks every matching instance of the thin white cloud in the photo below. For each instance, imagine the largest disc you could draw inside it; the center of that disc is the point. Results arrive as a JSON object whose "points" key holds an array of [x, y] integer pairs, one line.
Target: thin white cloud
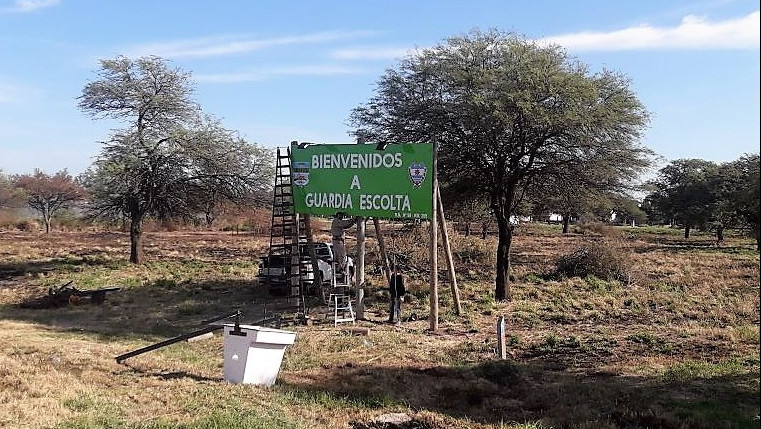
{"points": [[692, 33], [264, 74], [228, 45], [10, 93], [371, 53], [25, 6]]}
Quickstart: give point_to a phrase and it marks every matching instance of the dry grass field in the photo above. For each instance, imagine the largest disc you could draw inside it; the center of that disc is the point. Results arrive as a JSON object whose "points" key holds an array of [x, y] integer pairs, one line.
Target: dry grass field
{"points": [[672, 341]]}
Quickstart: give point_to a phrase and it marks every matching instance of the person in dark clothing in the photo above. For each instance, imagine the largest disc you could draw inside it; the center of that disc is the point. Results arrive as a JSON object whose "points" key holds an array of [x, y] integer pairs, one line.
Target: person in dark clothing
{"points": [[397, 291]]}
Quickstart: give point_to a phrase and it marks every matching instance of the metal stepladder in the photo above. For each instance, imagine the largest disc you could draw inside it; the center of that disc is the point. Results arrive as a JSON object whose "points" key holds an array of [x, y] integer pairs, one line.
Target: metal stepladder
{"points": [[288, 231], [340, 299]]}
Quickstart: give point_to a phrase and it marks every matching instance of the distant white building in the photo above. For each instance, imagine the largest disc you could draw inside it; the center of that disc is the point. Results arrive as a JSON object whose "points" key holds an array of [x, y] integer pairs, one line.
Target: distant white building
{"points": [[515, 220]]}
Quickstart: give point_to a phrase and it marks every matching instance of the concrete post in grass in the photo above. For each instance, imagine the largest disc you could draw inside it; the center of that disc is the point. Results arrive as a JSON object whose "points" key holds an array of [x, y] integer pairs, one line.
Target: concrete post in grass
{"points": [[501, 345]]}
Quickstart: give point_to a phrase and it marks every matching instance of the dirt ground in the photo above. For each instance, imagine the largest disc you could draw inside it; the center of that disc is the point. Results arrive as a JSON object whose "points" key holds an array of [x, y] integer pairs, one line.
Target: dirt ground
{"points": [[672, 346]]}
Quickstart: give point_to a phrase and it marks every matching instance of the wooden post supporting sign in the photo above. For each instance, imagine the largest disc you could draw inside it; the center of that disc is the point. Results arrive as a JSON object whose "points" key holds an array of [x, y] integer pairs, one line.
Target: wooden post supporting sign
{"points": [[448, 252], [433, 317]]}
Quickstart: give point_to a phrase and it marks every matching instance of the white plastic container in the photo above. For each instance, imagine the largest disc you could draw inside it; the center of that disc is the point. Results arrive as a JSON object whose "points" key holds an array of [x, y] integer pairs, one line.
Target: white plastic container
{"points": [[254, 355]]}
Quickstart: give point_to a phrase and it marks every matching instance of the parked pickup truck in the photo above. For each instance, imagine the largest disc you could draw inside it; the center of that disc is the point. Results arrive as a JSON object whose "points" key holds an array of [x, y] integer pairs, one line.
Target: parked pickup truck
{"points": [[273, 270]]}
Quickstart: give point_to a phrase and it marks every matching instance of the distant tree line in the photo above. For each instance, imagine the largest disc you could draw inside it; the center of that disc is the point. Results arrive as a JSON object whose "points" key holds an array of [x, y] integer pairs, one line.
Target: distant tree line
{"points": [[695, 193]]}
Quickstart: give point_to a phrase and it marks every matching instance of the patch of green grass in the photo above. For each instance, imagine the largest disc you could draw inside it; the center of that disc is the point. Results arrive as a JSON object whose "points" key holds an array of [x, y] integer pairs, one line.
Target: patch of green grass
{"points": [[601, 286], [500, 372], [667, 287], [191, 308], [597, 345], [526, 311], [743, 251], [654, 230], [87, 403], [99, 422], [486, 304], [513, 340], [715, 414], [250, 419], [343, 342], [533, 279], [692, 369], [560, 317], [470, 351], [553, 344], [165, 284], [747, 333], [190, 353], [572, 342], [334, 401], [652, 342]]}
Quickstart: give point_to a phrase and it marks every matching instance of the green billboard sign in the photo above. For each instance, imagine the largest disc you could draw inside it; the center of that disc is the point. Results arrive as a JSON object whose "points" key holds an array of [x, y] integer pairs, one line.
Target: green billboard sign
{"points": [[360, 180]]}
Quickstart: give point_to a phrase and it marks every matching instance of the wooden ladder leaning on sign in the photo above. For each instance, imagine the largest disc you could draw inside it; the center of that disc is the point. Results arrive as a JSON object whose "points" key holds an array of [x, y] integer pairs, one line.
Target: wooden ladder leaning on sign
{"points": [[288, 233]]}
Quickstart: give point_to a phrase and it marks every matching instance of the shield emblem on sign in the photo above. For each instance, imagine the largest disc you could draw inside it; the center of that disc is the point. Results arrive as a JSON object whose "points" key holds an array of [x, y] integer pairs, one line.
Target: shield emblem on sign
{"points": [[301, 174], [417, 174]]}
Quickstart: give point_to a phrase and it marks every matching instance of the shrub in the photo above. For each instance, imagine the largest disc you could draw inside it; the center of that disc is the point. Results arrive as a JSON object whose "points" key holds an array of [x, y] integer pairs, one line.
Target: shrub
{"points": [[595, 259], [471, 250], [28, 225], [599, 228], [68, 220], [8, 220]]}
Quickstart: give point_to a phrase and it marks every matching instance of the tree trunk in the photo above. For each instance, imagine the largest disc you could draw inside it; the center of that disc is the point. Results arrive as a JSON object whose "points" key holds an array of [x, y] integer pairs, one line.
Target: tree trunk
{"points": [[46, 218], [566, 221], [502, 208], [502, 286], [687, 231], [136, 239]]}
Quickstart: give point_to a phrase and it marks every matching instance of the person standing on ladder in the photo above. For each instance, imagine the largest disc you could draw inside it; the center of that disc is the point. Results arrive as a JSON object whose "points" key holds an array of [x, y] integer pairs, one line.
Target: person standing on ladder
{"points": [[338, 231]]}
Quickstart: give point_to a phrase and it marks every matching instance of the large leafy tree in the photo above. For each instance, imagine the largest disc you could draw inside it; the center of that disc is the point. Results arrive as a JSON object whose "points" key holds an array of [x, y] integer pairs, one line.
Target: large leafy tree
{"points": [[505, 112], [169, 160], [48, 194], [686, 191], [740, 196], [222, 159]]}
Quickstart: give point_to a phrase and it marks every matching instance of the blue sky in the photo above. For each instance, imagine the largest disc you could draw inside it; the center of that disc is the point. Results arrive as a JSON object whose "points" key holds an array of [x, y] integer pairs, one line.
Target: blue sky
{"points": [[283, 70]]}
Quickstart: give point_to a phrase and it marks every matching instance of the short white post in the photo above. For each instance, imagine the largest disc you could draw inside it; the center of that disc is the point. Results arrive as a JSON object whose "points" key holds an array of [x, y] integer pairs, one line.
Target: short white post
{"points": [[501, 347]]}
